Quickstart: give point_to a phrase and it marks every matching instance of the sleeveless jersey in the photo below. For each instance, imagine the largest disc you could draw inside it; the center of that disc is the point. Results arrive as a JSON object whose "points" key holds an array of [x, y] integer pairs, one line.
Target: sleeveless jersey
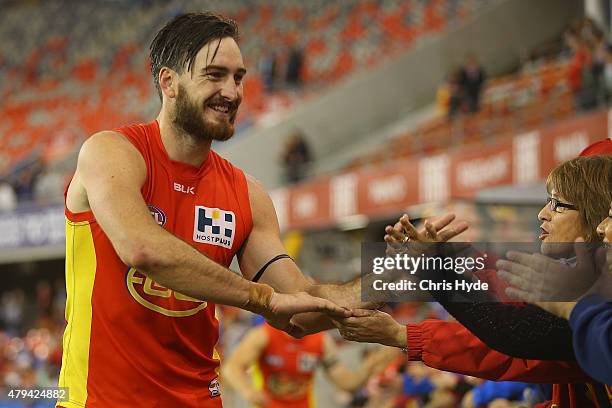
{"points": [[130, 342], [288, 366]]}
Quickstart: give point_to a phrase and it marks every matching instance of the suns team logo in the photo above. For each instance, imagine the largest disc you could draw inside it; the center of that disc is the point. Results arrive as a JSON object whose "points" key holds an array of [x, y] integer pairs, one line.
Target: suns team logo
{"points": [[214, 226], [160, 299]]}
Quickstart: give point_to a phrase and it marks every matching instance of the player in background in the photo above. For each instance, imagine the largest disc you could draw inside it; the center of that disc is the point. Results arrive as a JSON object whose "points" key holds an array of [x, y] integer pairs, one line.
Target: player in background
{"points": [[288, 366]]}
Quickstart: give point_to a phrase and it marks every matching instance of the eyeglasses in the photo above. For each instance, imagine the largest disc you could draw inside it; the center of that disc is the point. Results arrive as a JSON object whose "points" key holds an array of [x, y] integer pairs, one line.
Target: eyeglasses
{"points": [[559, 206]]}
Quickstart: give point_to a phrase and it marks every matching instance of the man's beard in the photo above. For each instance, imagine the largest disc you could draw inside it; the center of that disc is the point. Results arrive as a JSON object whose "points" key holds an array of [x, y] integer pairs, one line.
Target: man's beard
{"points": [[189, 117]]}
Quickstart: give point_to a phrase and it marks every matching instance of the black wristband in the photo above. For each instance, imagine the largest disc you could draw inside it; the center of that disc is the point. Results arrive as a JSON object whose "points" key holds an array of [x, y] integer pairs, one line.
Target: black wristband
{"points": [[263, 268], [329, 362]]}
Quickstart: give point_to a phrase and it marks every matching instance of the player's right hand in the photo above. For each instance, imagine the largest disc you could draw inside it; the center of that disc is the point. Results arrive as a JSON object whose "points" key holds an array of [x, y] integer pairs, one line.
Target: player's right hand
{"points": [[283, 307]]}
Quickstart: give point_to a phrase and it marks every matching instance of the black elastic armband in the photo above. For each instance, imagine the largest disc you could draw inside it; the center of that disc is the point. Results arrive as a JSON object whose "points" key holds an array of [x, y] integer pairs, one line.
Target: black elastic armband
{"points": [[263, 268]]}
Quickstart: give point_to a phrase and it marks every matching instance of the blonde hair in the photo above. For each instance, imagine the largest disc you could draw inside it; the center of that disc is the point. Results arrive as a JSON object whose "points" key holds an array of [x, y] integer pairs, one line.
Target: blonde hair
{"points": [[585, 182]]}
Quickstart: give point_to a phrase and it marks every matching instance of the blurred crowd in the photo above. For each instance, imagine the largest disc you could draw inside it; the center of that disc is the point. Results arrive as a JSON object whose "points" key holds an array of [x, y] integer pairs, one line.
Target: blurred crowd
{"points": [[584, 48], [590, 64], [34, 182], [31, 328]]}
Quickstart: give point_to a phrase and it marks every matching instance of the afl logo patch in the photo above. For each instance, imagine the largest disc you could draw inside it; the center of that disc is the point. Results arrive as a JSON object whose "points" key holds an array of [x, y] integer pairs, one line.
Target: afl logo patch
{"points": [[158, 215], [160, 299]]}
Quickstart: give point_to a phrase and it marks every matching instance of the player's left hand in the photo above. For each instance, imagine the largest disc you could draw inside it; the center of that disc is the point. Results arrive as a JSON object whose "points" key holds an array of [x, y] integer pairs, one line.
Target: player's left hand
{"points": [[372, 326]]}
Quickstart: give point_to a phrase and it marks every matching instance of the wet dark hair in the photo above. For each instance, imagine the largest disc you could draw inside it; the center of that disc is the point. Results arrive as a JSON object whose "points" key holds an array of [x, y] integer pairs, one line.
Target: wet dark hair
{"points": [[176, 45]]}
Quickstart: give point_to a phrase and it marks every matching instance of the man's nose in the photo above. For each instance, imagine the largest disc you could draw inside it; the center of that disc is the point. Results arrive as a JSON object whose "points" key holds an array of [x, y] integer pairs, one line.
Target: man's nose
{"points": [[229, 90]]}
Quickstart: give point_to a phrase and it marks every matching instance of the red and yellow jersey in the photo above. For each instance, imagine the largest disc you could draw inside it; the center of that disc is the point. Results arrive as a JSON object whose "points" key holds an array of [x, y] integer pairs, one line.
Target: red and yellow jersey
{"points": [[130, 342], [288, 366]]}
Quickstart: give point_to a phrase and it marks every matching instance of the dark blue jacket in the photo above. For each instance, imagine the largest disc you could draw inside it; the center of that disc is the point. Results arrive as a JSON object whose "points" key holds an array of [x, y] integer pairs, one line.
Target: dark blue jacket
{"points": [[591, 322]]}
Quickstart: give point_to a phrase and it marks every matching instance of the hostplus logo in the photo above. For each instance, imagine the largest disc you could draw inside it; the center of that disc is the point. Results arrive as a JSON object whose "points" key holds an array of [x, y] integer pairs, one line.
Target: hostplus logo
{"points": [[214, 226]]}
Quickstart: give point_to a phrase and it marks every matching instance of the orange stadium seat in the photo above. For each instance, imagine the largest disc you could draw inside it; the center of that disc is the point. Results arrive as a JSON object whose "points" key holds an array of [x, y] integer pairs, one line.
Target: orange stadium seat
{"points": [[72, 67]]}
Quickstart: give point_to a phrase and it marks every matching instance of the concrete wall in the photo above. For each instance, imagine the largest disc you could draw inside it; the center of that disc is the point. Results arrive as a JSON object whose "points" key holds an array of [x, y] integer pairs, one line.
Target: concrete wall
{"points": [[369, 100]]}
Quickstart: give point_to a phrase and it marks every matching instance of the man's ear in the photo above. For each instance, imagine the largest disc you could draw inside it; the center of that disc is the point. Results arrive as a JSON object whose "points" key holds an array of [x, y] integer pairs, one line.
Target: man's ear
{"points": [[168, 82]]}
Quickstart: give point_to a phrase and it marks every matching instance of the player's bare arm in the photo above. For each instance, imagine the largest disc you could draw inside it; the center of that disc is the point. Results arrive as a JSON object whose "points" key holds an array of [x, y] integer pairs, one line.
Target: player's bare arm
{"points": [[264, 243], [350, 380], [234, 369], [109, 177]]}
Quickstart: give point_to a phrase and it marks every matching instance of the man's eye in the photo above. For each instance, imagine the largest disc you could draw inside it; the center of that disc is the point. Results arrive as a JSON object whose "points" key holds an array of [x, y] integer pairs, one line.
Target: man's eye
{"points": [[215, 75]]}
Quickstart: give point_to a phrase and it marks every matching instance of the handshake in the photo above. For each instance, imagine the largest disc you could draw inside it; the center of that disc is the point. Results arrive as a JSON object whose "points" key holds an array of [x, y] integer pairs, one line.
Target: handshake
{"points": [[282, 310]]}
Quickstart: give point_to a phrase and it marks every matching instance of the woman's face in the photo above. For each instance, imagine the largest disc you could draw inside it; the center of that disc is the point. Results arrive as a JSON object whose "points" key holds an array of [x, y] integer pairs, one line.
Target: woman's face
{"points": [[559, 224], [604, 229]]}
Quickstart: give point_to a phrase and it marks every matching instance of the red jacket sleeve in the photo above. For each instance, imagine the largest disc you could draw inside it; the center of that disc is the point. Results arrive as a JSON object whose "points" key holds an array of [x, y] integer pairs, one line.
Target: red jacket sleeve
{"points": [[451, 347]]}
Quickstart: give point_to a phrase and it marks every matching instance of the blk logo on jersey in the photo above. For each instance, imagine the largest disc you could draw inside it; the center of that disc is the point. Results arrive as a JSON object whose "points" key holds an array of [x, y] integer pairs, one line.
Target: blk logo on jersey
{"points": [[214, 226], [184, 189]]}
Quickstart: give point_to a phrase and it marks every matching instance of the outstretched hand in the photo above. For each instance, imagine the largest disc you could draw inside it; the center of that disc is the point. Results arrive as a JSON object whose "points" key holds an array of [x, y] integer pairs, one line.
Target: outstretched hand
{"points": [[283, 307], [433, 230], [372, 326], [538, 278]]}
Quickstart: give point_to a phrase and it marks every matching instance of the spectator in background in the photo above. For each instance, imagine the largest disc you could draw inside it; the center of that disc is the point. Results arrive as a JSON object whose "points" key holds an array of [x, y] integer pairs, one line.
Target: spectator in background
{"points": [[288, 366], [589, 31], [449, 98], [267, 69], [295, 61], [471, 79], [12, 311], [607, 74], [600, 52], [8, 198], [489, 392], [25, 180], [49, 186], [579, 72], [296, 158]]}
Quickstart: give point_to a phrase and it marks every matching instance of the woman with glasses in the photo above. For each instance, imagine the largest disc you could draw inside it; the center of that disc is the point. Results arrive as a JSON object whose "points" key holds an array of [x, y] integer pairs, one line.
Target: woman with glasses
{"points": [[589, 315], [579, 195]]}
